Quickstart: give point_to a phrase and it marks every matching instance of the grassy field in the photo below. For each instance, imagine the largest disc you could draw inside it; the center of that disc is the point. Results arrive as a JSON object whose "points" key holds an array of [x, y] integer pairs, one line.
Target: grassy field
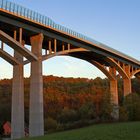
{"points": [[116, 131]]}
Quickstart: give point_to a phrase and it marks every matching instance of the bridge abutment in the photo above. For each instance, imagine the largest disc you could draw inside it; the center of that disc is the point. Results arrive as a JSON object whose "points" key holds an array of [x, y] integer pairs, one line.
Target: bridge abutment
{"points": [[36, 115]]}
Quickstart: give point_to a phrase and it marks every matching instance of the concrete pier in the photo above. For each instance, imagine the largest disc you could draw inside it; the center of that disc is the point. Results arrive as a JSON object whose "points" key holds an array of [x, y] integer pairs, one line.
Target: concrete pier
{"points": [[114, 94], [17, 120], [36, 115], [114, 99], [127, 82], [127, 86]]}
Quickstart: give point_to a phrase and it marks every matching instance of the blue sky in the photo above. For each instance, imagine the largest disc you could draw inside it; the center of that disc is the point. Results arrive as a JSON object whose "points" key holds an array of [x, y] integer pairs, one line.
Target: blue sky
{"points": [[113, 22]]}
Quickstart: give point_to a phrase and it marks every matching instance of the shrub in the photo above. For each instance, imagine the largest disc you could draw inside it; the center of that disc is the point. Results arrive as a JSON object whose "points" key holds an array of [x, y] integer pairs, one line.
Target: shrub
{"points": [[132, 105], [106, 108], [50, 124], [123, 114], [1, 128], [68, 115], [87, 111]]}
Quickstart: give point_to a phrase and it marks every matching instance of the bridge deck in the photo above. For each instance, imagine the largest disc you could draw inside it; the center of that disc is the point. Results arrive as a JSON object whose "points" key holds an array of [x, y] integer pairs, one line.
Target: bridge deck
{"points": [[12, 15]]}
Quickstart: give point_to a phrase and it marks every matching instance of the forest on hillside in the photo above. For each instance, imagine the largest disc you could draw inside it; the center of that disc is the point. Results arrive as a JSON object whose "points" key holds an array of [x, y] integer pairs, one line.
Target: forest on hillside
{"points": [[74, 102]]}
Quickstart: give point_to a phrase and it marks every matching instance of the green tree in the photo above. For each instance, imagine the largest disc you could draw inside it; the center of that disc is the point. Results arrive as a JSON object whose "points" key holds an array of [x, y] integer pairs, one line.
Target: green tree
{"points": [[106, 107], [68, 115], [132, 105], [50, 124], [87, 111]]}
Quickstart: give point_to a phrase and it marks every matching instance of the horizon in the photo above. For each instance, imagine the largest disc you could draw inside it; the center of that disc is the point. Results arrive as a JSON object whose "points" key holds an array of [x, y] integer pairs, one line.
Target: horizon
{"points": [[55, 76]]}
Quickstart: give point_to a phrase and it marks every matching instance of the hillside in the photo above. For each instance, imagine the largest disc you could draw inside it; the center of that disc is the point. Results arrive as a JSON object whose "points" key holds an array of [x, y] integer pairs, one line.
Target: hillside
{"points": [[118, 131]]}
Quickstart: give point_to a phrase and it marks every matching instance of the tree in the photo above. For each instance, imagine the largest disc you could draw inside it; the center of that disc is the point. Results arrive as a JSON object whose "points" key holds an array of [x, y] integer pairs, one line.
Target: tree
{"points": [[87, 111], [106, 108], [132, 105], [68, 115]]}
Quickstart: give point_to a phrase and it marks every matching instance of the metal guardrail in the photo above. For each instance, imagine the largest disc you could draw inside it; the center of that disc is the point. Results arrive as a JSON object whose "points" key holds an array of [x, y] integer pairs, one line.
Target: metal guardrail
{"points": [[35, 16]]}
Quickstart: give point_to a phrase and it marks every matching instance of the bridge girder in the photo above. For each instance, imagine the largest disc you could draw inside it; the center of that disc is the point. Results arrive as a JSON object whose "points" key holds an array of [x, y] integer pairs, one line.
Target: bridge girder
{"points": [[112, 63], [33, 28], [135, 73], [93, 62], [16, 46], [8, 58]]}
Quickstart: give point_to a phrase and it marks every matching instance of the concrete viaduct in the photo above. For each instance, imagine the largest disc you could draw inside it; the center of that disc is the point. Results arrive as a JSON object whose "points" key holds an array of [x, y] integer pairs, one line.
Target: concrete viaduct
{"points": [[20, 26]]}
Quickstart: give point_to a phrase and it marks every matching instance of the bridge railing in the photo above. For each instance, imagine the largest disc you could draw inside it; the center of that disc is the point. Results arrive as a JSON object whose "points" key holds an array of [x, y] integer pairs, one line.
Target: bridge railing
{"points": [[35, 16]]}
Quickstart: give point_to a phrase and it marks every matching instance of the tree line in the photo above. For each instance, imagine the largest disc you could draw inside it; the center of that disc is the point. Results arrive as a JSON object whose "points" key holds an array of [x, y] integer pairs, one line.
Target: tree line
{"points": [[74, 102]]}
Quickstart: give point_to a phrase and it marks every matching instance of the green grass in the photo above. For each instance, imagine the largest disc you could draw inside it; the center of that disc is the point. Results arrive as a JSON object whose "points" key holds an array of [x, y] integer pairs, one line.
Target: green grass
{"points": [[115, 131]]}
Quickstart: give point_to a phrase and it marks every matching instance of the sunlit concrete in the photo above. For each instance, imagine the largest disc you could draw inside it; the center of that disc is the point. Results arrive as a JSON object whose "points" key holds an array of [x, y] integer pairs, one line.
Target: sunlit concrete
{"points": [[36, 116], [17, 120]]}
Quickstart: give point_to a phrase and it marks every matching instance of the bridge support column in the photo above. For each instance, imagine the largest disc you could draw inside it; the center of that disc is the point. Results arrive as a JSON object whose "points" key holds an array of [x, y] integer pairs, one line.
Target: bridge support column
{"points": [[127, 82], [36, 119], [114, 99], [114, 95], [127, 86], [17, 120]]}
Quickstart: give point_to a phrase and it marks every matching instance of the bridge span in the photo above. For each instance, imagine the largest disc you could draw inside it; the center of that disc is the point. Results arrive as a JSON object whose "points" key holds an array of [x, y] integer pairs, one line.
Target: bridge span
{"points": [[20, 26]]}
